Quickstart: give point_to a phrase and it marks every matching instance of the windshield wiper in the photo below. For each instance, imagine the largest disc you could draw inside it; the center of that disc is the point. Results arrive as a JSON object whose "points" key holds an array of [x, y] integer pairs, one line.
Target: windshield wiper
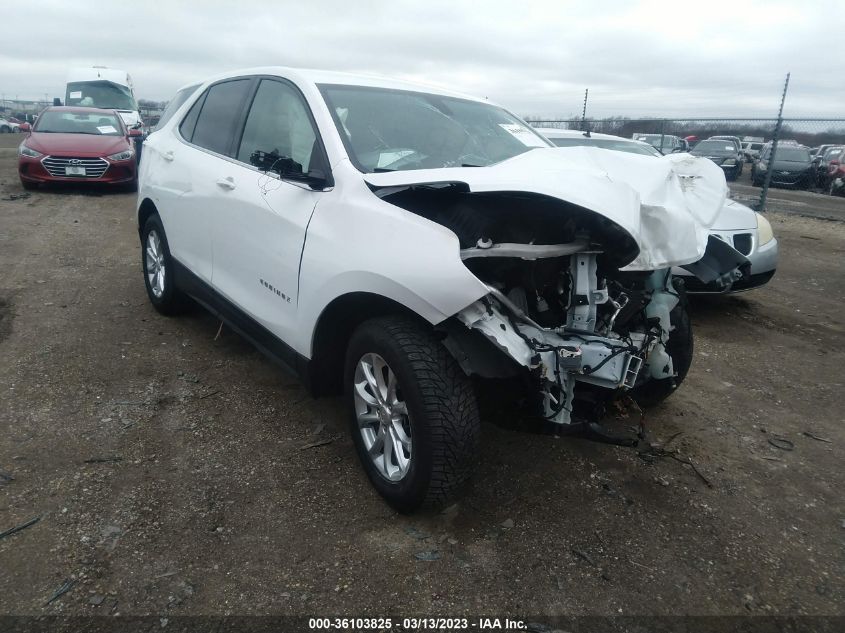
{"points": [[382, 170]]}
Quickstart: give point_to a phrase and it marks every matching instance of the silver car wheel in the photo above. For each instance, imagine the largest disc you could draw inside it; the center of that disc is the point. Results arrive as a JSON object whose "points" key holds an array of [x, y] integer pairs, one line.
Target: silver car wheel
{"points": [[154, 254], [382, 417]]}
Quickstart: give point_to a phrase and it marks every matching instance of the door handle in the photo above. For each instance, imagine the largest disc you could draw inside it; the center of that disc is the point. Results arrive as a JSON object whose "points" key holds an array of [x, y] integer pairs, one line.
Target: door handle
{"points": [[226, 183], [168, 156]]}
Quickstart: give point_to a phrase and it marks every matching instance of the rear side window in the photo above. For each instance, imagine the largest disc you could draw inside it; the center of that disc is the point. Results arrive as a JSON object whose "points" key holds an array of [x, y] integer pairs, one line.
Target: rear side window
{"points": [[186, 128], [175, 103], [218, 117], [278, 127]]}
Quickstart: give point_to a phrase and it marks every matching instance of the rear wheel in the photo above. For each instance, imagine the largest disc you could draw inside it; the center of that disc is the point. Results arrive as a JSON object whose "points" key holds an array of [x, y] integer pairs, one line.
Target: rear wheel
{"points": [[158, 269], [414, 416], [680, 349]]}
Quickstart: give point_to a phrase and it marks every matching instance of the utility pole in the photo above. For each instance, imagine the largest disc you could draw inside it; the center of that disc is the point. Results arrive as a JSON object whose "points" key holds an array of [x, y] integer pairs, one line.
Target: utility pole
{"points": [[584, 110], [761, 205]]}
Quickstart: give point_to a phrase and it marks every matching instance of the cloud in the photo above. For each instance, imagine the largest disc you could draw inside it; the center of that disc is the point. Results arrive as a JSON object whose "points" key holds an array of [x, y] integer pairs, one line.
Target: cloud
{"points": [[646, 58]]}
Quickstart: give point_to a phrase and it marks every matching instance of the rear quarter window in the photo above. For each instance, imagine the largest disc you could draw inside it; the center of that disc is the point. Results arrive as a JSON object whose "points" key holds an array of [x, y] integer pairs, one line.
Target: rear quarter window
{"points": [[175, 103]]}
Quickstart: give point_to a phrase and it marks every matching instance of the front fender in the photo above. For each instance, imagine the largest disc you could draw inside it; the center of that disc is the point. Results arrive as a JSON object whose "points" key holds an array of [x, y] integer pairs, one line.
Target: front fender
{"points": [[358, 243]]}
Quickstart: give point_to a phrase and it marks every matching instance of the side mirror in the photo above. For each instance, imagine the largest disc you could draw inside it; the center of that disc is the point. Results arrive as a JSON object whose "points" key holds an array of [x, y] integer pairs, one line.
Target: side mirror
{"points": [[135, 133], [25, 127]]}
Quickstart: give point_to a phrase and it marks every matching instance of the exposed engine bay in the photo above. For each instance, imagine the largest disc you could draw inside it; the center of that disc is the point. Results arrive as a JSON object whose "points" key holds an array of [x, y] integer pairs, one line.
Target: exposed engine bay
{"points": [[558, 307]]}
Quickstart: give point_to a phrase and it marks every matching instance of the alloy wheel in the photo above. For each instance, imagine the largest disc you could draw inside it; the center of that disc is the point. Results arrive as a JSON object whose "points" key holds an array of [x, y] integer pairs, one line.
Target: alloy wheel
{"points": [[154, 254], [382, 416]]}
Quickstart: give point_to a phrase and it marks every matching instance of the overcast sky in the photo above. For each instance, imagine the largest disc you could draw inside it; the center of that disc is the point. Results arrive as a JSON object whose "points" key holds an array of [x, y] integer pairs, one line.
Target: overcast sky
{"points": [[644, 58]]}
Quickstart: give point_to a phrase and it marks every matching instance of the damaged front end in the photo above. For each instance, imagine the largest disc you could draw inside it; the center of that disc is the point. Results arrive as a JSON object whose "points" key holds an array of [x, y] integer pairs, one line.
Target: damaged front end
{"points": [[580, 294], [597, 331]]}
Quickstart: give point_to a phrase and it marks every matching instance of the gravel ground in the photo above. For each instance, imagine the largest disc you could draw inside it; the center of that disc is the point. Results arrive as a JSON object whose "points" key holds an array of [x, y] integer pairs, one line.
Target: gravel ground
{"points": [[175, 471]]}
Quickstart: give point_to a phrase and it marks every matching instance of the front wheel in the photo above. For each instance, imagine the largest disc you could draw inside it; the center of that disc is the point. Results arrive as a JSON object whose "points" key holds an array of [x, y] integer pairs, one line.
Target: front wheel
{"points": [[414, 416], [680, 349]]}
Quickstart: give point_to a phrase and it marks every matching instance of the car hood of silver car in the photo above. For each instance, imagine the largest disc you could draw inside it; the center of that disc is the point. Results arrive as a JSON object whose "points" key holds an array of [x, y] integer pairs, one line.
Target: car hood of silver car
{"points": [[735, 217]]}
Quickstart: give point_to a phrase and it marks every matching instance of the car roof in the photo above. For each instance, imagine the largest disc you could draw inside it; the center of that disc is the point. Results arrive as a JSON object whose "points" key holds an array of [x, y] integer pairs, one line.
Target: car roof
{"points": [[317, 77]]}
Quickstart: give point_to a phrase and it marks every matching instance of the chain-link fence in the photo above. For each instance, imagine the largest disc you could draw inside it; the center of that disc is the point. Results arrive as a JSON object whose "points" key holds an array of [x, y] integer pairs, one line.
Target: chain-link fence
{"points": [[812, 142]]}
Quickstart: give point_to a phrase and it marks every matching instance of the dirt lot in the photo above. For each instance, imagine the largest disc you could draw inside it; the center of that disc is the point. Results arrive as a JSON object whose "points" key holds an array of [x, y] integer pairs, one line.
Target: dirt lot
{"points": [[172, 473]]}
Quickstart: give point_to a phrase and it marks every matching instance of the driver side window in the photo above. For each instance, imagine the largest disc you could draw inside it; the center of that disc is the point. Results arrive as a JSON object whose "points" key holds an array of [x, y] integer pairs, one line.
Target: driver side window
{"points": [[278, 125]]}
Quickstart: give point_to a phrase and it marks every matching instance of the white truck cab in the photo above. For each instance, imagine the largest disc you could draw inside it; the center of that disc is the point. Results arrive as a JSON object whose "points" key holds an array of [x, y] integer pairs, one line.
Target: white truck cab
{"points": [[107, 88]]}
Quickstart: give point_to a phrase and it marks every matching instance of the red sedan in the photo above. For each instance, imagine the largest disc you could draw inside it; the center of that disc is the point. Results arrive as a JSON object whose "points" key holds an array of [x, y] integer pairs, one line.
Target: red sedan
{"points": [[78, 145]]}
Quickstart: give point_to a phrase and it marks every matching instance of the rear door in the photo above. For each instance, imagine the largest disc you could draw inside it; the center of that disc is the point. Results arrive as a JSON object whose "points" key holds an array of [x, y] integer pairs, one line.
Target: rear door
{"points": [[196, 165], [259, 226]]}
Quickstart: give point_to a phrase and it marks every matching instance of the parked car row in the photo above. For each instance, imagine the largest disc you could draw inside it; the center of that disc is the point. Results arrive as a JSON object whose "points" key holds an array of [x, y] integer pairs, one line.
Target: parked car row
{"points": [[794, 166]]}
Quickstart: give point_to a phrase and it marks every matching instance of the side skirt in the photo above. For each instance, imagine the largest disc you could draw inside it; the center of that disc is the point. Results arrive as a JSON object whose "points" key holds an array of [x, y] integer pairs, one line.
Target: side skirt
{"points": [[260, 337]]}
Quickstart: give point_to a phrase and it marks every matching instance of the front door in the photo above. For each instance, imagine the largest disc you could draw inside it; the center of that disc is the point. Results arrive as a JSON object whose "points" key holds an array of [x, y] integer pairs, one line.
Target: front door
{"points": [[259, 232]]}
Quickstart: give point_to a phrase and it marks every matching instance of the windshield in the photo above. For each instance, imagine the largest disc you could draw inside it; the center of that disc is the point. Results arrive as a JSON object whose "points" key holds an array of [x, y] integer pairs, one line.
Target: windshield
{"points": [[58, 122], [791, 154], [100, 94], [714, 147], [388, 130], [631, 147]]}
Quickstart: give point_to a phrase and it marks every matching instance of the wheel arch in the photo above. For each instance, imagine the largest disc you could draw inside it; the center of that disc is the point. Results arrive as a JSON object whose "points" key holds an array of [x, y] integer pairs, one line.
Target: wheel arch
{"points": [[145, 210], [333, 330]]}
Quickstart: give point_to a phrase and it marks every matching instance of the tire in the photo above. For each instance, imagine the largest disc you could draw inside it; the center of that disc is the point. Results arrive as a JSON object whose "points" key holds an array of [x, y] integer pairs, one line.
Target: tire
{"points": [[29, 186], [433, 416], [162, 292], [6, 129], [680, 348]]}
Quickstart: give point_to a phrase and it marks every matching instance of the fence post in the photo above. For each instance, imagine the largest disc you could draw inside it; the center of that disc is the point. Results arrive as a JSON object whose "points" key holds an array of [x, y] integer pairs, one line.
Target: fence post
{"points": [[584, 111], [764, 192]]}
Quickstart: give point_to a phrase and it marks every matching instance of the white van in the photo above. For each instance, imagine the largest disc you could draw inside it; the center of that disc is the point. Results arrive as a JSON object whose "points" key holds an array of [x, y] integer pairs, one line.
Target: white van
{"points": [[101, 87]]}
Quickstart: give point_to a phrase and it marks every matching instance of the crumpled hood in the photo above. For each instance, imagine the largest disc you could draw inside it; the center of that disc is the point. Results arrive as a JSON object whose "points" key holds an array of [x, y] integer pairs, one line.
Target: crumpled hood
{"points": [[666, 204]]}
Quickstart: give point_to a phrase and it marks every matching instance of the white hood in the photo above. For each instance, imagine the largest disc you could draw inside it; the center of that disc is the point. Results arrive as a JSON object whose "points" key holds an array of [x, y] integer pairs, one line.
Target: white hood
{"points": [[667, 205]]}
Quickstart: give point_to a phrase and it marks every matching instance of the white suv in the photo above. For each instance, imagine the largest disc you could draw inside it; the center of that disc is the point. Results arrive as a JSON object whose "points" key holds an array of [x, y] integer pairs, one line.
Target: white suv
{"points": [[390, 241]]}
